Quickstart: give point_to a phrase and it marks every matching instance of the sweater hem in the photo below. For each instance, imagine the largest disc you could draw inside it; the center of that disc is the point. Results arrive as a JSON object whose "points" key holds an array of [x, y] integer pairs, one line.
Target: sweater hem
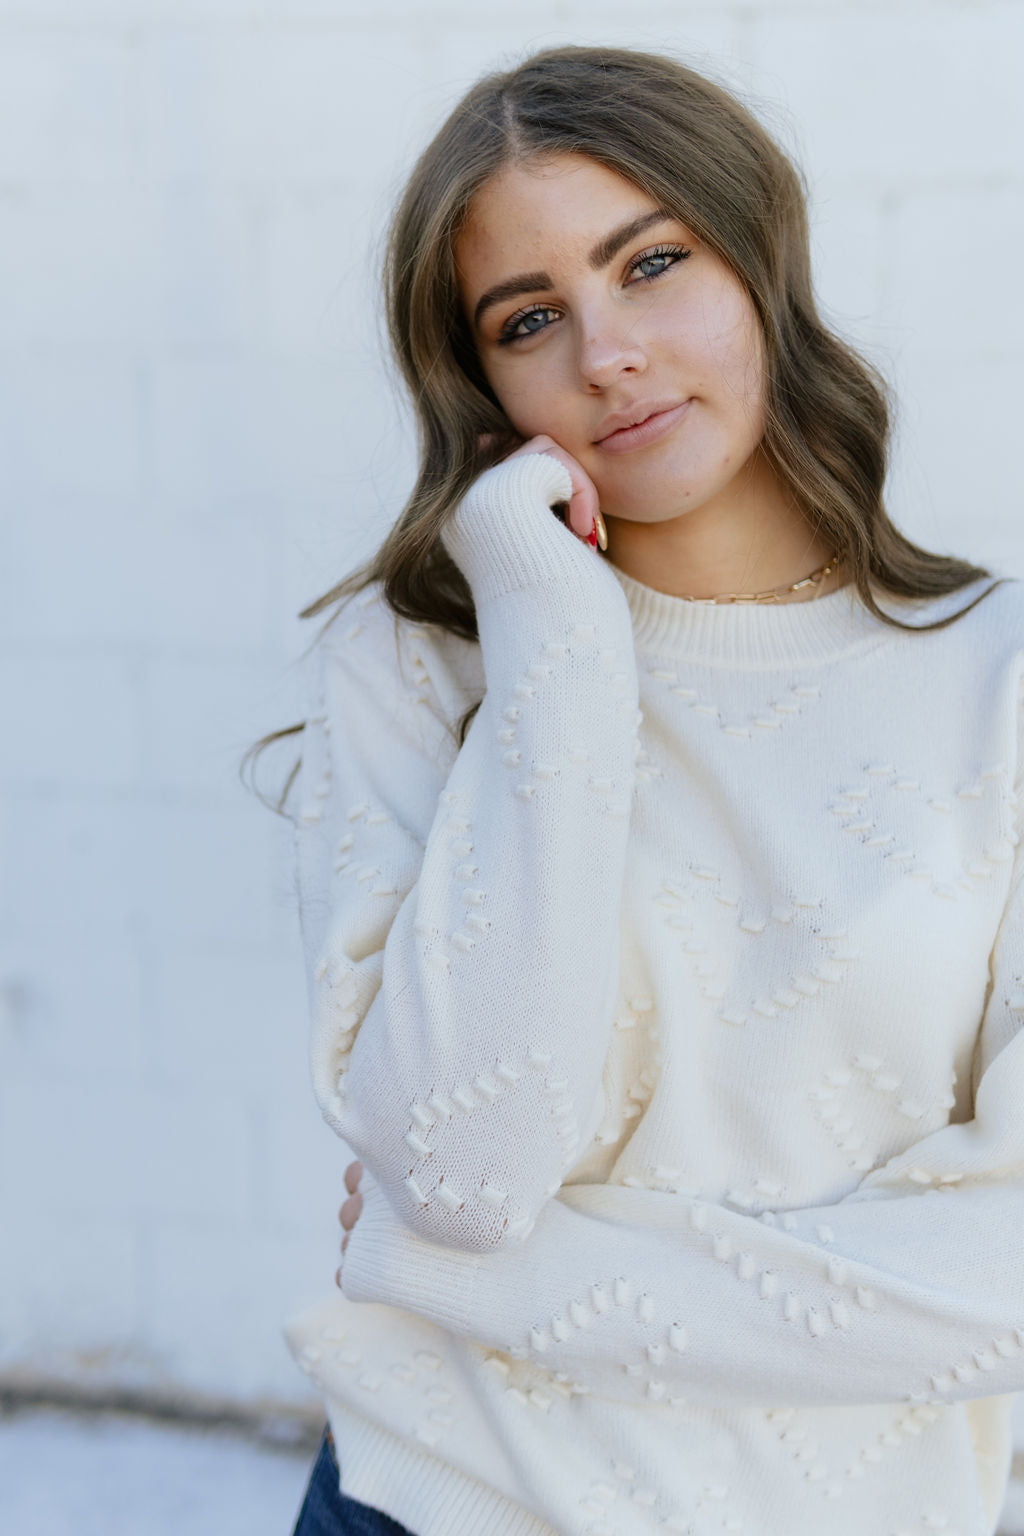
{"points": [[427, 1496]]}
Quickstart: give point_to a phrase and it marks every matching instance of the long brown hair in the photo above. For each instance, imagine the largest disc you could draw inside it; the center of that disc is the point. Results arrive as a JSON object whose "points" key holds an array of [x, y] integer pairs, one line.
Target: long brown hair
{"points": [[696, 150]]}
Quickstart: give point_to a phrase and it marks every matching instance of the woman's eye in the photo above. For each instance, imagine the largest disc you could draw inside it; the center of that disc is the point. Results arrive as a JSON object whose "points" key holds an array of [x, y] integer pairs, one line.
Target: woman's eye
{"points": [[510, 330], [672, 254]]}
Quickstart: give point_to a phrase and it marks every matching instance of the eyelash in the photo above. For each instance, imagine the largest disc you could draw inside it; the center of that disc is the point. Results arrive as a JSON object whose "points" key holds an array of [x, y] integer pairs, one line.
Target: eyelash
{"points": [[507, 333]]}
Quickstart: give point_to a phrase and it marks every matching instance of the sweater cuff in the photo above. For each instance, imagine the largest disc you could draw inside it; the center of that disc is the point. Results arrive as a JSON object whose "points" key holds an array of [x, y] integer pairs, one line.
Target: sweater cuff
{"points": [[387, 1263], [504, 536]]}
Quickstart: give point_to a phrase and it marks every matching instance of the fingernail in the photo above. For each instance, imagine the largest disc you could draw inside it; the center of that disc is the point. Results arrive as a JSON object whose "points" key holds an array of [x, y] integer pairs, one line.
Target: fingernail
{"points": [[592, 537]]}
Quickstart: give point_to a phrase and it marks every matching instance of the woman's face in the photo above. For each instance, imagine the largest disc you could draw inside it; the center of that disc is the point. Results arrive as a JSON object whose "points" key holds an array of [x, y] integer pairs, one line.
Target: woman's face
{"points": [[577, 318]]}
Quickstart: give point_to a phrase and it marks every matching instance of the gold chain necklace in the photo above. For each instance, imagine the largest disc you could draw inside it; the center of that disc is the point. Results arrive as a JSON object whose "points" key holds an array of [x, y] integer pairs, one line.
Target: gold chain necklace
{"points": [[772, 597], [600, 538]]}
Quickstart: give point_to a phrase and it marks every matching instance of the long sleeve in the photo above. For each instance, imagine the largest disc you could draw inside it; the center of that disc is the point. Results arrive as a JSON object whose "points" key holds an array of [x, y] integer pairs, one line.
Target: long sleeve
{"points": [[910, 1288], [461, 910]]}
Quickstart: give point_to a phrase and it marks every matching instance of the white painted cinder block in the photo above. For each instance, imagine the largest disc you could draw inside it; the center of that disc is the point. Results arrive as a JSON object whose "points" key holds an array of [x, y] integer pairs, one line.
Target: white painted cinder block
{"points": [[217, 1295], [72, 438], [924, 93], [147, 1156], [953, 264], [71, 1301], [67, 101], [198, 436], [87, 732], [239, 1009], [151, 580], [99, 230], [76, 1010], [282, 100]]}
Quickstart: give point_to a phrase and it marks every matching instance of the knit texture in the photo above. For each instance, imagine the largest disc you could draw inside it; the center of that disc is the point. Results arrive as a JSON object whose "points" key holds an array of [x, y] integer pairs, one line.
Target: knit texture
{"points": [[675, 1019]]}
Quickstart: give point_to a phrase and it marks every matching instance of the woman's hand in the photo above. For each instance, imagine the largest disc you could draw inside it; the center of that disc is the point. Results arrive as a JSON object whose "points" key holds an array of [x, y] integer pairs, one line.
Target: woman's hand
{"points": [[584, 517], [349, 1213]]}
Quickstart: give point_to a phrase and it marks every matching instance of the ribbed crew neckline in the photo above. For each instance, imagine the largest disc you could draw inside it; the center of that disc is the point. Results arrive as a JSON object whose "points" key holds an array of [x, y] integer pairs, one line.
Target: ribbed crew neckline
{"points": [[765, 634]]}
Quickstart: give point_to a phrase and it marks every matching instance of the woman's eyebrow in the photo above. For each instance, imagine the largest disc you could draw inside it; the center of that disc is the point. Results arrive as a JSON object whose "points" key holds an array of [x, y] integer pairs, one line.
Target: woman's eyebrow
{"points": [[603, 252]]}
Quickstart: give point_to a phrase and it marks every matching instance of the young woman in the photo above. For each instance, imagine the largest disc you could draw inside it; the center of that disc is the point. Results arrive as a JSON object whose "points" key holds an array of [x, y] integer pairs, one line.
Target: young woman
{"points": [[660, 879]]}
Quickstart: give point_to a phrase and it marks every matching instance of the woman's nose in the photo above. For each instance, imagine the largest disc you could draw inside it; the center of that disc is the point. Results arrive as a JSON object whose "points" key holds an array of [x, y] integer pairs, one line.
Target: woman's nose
{"points": [[607, 350]]}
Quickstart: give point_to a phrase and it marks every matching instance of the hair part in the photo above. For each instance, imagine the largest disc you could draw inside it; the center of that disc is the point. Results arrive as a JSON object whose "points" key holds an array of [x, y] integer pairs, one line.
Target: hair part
{"points": [[694, 148]]}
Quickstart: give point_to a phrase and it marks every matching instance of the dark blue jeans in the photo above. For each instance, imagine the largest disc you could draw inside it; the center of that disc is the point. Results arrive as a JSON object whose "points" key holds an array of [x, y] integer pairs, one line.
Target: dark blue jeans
{"points": [[326, 1511]]}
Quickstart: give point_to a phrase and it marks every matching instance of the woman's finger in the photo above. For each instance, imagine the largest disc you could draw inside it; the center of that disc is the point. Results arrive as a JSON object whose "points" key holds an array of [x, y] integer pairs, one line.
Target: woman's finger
{"points": [[583, 501], [353, 1173], [349, 1213]]}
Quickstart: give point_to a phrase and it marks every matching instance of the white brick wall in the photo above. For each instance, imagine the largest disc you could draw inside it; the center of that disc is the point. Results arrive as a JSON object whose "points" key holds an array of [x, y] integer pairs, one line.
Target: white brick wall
{"points": [[197, 437]]}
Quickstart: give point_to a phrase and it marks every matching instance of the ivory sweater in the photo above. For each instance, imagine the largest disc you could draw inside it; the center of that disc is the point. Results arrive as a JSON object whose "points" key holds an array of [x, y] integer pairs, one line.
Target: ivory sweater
{"points": [[675, 1019]]}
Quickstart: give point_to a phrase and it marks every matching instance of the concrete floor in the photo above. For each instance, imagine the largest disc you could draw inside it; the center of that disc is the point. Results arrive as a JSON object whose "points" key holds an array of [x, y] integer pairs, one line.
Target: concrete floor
{"points": [[70, 1473]]}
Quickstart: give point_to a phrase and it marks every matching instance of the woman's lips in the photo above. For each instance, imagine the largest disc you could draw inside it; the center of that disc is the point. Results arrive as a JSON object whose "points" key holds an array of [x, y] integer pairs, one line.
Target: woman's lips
{"points": [[648, 431]]}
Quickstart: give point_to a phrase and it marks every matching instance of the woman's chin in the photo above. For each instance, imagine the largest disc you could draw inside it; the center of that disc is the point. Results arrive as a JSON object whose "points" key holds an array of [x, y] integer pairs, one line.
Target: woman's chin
{"points": [[654, 497], [649, 509]]}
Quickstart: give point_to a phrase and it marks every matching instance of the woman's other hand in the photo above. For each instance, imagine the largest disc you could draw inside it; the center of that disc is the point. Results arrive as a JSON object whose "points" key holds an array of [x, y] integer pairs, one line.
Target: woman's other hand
{"points": [[583, 505], [349, 1213]]}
